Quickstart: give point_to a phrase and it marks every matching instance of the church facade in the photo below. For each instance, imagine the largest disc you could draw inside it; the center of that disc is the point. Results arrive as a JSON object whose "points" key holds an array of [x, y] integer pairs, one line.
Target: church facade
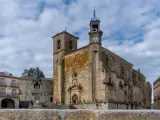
{"points": [[93, 76]]}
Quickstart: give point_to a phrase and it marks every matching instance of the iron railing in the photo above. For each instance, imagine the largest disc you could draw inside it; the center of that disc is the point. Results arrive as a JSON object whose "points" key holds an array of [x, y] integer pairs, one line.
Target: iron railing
{"points": [[13, 84], [10, 95]]}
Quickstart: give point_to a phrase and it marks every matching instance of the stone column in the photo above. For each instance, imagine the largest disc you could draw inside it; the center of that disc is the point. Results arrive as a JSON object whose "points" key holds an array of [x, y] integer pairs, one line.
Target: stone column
{"points": [[60, 84], [94, 75], [90, 75]]}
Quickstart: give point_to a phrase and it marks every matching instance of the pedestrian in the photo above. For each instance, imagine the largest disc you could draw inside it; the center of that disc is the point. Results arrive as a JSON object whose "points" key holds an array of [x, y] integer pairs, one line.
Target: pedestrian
{"points": [[31, 103]]}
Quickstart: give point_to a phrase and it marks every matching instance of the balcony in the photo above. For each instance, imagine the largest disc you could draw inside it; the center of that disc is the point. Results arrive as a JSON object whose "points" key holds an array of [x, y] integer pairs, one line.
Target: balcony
{"points": [[12, 95], [13, 85]]}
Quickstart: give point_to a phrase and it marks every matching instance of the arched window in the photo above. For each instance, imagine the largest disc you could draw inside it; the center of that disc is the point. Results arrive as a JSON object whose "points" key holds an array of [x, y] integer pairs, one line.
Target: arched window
{"points": [[59, 44], [74, 99], [75, 74], [70, 45]]}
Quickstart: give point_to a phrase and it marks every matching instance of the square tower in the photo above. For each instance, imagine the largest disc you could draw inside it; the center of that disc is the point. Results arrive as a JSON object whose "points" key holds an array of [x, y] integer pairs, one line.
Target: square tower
{"points": [[63, 43]]}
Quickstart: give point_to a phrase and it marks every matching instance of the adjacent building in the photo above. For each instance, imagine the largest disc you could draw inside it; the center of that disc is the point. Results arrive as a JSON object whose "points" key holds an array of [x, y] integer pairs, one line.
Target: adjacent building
{"points": [[156, 104], [9, 91], [18, 92], [28, 93], [95, 77]]}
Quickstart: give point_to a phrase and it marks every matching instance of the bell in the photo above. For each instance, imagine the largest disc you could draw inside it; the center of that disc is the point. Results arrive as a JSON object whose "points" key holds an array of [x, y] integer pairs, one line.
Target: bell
{"points": [[94, 30]]}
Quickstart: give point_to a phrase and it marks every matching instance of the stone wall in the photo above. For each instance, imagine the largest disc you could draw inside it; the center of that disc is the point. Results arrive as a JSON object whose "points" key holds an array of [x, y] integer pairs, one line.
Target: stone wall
{"points": [[126, 84], [156, 104], [76, 76], [106, 105], [43, 114]]}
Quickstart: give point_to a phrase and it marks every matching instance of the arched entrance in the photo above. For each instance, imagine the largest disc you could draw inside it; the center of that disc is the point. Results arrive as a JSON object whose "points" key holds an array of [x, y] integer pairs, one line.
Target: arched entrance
{"points": [[7, 103], [74, 99]]}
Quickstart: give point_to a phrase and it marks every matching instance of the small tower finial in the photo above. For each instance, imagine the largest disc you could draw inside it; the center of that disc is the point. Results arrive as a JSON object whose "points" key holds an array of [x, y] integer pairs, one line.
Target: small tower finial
{"points": [[65, 28], [94, 12], [94, 18]]}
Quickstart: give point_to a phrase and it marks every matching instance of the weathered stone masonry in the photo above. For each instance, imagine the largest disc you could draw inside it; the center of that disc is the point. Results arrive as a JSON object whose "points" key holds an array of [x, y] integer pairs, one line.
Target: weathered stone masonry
{"points": [[94, 77]]}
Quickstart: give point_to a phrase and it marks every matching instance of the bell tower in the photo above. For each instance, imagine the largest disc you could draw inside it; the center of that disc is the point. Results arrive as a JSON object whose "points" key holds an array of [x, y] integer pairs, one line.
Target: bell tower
{"points": [[95, 35], [95, 32], [63, 43]]}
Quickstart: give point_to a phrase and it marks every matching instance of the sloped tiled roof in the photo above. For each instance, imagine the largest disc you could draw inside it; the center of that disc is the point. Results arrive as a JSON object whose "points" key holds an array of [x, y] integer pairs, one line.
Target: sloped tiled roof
{"points": [[2, 74], [65, 33], [30, 78]]}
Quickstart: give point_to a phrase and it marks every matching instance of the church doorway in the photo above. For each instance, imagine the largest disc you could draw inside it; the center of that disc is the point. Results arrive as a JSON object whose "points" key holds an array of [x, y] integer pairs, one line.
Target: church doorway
{"points": [[7, 103], [74, 99]]}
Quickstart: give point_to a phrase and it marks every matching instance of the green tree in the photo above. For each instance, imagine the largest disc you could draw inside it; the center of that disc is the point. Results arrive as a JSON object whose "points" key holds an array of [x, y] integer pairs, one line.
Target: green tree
{"points": [[29, 72], [10, 74], [36, 75]]}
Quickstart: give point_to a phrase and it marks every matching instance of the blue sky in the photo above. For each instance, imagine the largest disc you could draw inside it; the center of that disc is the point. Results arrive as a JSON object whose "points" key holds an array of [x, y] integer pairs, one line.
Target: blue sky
{"points": [[131, 30]]}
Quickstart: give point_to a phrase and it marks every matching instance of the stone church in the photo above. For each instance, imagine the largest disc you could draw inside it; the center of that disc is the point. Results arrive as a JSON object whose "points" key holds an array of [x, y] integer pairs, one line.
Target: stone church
{"points": [[95, 77]]}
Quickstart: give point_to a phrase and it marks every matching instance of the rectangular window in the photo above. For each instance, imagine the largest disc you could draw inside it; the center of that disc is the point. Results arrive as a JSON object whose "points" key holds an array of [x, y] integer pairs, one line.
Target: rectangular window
{"points": [[70, 45], [51, 92], [2, 82], [2, 92], [14, 92], [94, 28], [13, 83], [59, 44]]}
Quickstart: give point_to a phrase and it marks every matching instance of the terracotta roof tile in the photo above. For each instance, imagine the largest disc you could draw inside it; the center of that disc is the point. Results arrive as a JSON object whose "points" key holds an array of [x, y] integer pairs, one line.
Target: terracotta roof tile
{"points": [[2, 74]]}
